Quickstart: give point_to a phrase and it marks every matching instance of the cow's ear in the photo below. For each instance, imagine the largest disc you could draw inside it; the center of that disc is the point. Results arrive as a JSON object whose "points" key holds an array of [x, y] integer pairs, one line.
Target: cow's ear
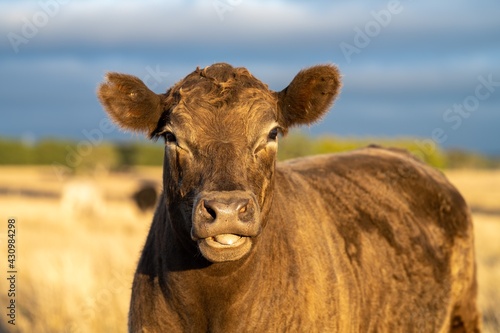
{"points": [[129, 103], [309, 96]]}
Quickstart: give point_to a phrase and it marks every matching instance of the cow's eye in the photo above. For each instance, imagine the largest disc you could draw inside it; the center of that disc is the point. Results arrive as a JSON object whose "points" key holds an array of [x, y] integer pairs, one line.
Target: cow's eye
{"points": [[169, 137], [273, 134]]}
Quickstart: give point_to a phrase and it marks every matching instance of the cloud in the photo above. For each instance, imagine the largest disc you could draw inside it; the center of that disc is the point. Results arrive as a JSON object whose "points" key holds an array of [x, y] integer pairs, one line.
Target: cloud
{"points": [[165, 25], [425, 59]]}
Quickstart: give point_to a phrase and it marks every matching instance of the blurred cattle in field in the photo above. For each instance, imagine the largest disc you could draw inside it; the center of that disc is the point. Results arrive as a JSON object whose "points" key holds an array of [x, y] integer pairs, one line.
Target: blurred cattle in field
{"points": [[82, 198], [146, 196]]}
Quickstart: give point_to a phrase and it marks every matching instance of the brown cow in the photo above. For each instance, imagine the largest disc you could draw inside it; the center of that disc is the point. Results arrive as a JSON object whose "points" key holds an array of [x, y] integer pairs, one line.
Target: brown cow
{"points": [[367, 241]]}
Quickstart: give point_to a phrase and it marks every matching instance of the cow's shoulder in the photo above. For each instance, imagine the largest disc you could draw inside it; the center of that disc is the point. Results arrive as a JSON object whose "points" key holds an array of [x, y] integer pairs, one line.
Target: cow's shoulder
{"points": [[372, 165], [377, 181], [370, 159]]}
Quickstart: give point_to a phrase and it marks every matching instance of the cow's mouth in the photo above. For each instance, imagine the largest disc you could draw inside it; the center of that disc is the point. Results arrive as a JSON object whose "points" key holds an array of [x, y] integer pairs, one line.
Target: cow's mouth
{"points": [[225, 240], [225, 247]]}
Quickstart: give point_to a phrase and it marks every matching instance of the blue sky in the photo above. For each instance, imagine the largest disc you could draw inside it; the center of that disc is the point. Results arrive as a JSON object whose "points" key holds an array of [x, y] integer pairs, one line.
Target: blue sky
{"points": [[411, 68]]}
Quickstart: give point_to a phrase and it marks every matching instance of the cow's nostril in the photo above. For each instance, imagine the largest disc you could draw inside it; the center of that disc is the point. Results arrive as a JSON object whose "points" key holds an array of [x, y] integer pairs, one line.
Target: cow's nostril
{"points": [[209, 210], [242, 206], [226, 210]]}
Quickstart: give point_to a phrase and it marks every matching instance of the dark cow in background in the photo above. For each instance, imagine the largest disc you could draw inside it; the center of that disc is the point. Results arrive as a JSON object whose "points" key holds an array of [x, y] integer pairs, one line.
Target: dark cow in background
{"points": [[367, 241], [146, 196]]}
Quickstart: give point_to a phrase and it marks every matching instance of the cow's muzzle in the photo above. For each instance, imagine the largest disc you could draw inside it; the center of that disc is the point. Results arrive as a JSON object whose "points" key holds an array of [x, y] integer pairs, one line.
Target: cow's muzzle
{"points": [[224, 224]]}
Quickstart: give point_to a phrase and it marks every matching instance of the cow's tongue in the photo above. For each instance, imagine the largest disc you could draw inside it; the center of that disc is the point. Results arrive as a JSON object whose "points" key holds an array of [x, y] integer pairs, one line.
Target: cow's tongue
{"points": [[227, 239]]}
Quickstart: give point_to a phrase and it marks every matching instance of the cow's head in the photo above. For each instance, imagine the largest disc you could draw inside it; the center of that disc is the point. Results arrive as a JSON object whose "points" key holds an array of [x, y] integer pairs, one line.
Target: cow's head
{"points": [[221, 127]]}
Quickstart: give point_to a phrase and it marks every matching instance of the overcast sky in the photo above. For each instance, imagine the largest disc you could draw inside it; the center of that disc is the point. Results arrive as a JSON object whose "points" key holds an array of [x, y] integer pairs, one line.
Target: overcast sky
{"points": [[411, 68]]}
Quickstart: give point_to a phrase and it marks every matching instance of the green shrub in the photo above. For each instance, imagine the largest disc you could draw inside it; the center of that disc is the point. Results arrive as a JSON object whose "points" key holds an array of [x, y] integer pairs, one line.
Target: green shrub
{"points": [[297, 144]]}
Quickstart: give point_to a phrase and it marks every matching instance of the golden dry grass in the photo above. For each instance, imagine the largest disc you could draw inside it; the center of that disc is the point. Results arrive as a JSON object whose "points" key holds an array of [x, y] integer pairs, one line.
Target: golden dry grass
{"points": [[481, 188], [75, 271], [487, 232]]}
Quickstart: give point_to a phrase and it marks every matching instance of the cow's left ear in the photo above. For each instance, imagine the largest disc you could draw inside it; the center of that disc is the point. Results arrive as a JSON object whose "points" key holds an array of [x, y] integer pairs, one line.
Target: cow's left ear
{"points": [[309, 96], [131, 104]]}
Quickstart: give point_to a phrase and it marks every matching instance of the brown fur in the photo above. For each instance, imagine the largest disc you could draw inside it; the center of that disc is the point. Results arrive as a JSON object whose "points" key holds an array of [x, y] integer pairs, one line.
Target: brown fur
{"points": [[309, 94], [130, 103], [367, 241]]}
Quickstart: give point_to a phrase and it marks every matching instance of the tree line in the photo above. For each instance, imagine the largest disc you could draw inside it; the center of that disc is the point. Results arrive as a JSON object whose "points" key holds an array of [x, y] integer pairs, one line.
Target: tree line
{"points": [[81, 156]]}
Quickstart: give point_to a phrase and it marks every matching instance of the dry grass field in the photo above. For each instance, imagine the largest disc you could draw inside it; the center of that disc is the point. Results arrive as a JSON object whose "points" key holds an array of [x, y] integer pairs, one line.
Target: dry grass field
{"points": [[75, 266]]}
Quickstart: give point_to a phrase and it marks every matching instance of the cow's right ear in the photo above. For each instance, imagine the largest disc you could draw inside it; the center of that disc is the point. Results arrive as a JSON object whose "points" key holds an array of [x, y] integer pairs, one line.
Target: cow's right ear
{"points": [[309, 96], [129, 103]]}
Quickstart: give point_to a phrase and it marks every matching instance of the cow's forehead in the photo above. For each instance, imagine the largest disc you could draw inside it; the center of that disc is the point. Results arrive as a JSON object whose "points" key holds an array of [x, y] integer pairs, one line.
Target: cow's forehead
{"points": [[222, 75], [204, 119], [221, 85], [231, 101]]}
